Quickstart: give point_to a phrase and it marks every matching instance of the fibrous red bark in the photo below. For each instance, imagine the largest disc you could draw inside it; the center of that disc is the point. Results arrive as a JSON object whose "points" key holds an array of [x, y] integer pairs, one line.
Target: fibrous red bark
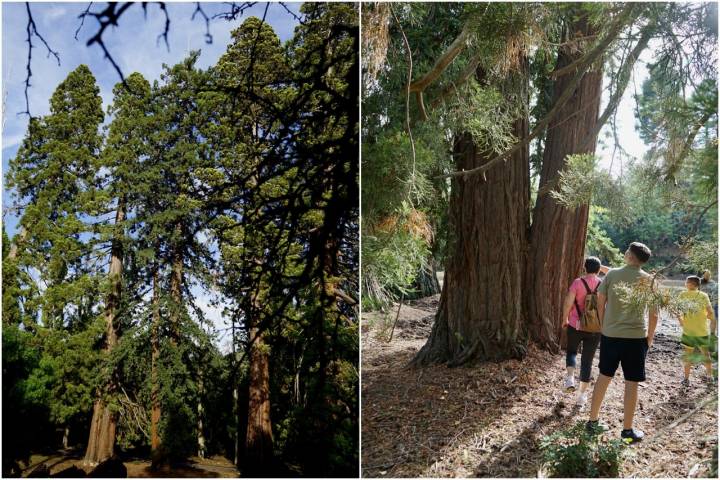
{"points": [[481, 313], [557, 237], [101, 443], [259, 439]]}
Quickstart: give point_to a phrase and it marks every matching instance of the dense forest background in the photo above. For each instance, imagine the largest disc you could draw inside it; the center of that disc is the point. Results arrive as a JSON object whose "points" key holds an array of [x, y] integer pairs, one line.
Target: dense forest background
{"points": [[481, 127], [241, 179]]}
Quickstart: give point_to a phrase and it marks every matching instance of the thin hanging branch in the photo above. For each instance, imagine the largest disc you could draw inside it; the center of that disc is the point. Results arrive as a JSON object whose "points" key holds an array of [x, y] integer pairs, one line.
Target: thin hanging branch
{"points": [[199, 10], [82, 19], [621, 85], [32, 30], [407, 96]]}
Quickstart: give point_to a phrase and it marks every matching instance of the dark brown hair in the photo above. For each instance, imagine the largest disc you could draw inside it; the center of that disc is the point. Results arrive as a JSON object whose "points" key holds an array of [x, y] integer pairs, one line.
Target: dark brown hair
{"points": [[641, 251]]}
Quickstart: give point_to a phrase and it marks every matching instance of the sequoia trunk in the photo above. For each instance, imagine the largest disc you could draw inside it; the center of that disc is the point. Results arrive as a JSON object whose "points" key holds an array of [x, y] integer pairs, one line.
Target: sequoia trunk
{"points": [[101, 442], [155, 444], [481, 314], [259, 440], [557, 238]]}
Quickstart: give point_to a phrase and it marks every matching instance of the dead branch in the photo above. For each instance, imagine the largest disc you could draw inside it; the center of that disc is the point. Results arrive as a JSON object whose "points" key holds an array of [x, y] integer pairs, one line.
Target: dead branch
{"points": [[408, 89], [32, 30], [443, 62], [708, 400]]}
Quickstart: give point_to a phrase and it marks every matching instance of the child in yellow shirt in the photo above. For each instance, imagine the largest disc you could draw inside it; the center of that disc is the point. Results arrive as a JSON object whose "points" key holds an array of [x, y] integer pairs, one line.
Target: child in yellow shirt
{"points": [[696, 334]]}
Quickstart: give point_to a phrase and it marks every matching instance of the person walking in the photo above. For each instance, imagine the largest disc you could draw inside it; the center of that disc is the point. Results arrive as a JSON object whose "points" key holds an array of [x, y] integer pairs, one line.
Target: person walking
{"points": [[625, 340], [573, 310]]}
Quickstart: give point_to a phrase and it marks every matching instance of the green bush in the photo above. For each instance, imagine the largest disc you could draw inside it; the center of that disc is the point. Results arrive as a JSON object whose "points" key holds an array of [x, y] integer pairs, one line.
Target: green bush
{"points": [[392, 256], [575, 453]]}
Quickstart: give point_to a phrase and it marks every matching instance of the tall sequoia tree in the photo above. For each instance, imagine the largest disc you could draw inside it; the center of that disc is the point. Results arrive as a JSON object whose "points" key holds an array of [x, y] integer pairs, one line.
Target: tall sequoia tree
{"points": [[53, 176], [557, 235], [485, 212], [53, 179], [253, 69], [125, 147], [324, 60], [173, 218], [488, 324]]}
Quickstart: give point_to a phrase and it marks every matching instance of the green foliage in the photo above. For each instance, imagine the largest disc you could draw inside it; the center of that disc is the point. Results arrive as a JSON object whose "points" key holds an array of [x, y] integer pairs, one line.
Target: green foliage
{"points": [[391, 260], [576, 453], [63, 379], [598, 242], [486, 114], [701, 256], [25, 421], [648, 294], [577, 181], [392, 176]]}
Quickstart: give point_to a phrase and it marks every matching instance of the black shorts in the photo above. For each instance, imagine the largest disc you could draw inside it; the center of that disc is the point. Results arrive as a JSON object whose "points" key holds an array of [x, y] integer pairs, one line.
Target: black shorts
{"points": [[628, 352]]}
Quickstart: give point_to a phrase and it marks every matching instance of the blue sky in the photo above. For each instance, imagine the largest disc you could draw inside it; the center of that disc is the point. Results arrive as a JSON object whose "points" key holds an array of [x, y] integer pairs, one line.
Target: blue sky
{"points": [[135, 49]]}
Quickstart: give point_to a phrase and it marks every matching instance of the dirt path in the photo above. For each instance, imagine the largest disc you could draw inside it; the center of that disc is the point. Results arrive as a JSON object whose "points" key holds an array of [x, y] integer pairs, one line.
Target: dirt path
{"points": [[213, 467], [487, 420]]}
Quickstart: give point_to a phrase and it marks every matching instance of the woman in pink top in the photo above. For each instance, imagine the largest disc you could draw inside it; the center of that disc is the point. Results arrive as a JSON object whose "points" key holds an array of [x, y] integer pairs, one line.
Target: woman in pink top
{"points": [[572, 309]]}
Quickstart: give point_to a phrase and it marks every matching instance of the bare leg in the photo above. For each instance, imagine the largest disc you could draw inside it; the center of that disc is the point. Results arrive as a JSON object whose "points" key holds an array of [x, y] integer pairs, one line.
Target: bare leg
{"points": [[598, 395], [687, 364], [708, 361], [631, 398], [584, 386]]}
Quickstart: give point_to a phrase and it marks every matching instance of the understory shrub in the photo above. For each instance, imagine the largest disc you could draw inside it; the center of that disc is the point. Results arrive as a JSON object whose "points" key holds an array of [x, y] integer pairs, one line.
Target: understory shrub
{"points": [[576, 453]]}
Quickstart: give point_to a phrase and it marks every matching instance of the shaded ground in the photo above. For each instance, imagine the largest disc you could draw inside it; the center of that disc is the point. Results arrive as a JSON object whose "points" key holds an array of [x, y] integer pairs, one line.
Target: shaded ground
{"points": [[213, 467], [487, 420]]}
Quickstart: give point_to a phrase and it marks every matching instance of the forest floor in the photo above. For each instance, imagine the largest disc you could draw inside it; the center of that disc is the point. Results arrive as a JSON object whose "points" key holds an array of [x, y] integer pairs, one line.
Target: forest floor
{"points": [[487, 420], [195, 467]]}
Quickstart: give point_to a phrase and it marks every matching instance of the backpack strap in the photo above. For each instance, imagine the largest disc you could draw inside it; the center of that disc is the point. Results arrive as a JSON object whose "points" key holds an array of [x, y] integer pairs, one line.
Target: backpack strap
{"points": [[577, 307], [587, 287]]}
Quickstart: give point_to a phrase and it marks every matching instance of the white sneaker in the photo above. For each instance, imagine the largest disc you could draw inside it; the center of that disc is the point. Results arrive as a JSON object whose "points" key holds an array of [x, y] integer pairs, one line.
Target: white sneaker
{"points": [[581, 399], [570, 384]]}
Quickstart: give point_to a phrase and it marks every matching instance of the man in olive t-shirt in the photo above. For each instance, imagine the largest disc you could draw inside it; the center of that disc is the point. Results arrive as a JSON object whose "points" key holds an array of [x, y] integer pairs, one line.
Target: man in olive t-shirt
{"points": [[625, 339]]}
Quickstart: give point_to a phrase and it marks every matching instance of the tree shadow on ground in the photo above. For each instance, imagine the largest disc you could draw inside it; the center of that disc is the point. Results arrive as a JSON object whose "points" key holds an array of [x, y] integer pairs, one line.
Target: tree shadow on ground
{"points": [[521, 456], [422, 414], [175, 471]]}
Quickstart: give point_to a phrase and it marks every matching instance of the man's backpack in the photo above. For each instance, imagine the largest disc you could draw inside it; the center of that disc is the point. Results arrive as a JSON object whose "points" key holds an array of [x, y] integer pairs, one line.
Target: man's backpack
{"points": [[589, 319]]}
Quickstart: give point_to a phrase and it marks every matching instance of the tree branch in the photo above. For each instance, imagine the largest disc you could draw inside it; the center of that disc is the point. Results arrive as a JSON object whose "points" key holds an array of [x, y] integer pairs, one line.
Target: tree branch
{"points": [[587, 61], [622, 83], [199, 9], [31, 30], [82, 19], [442, 63]]}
